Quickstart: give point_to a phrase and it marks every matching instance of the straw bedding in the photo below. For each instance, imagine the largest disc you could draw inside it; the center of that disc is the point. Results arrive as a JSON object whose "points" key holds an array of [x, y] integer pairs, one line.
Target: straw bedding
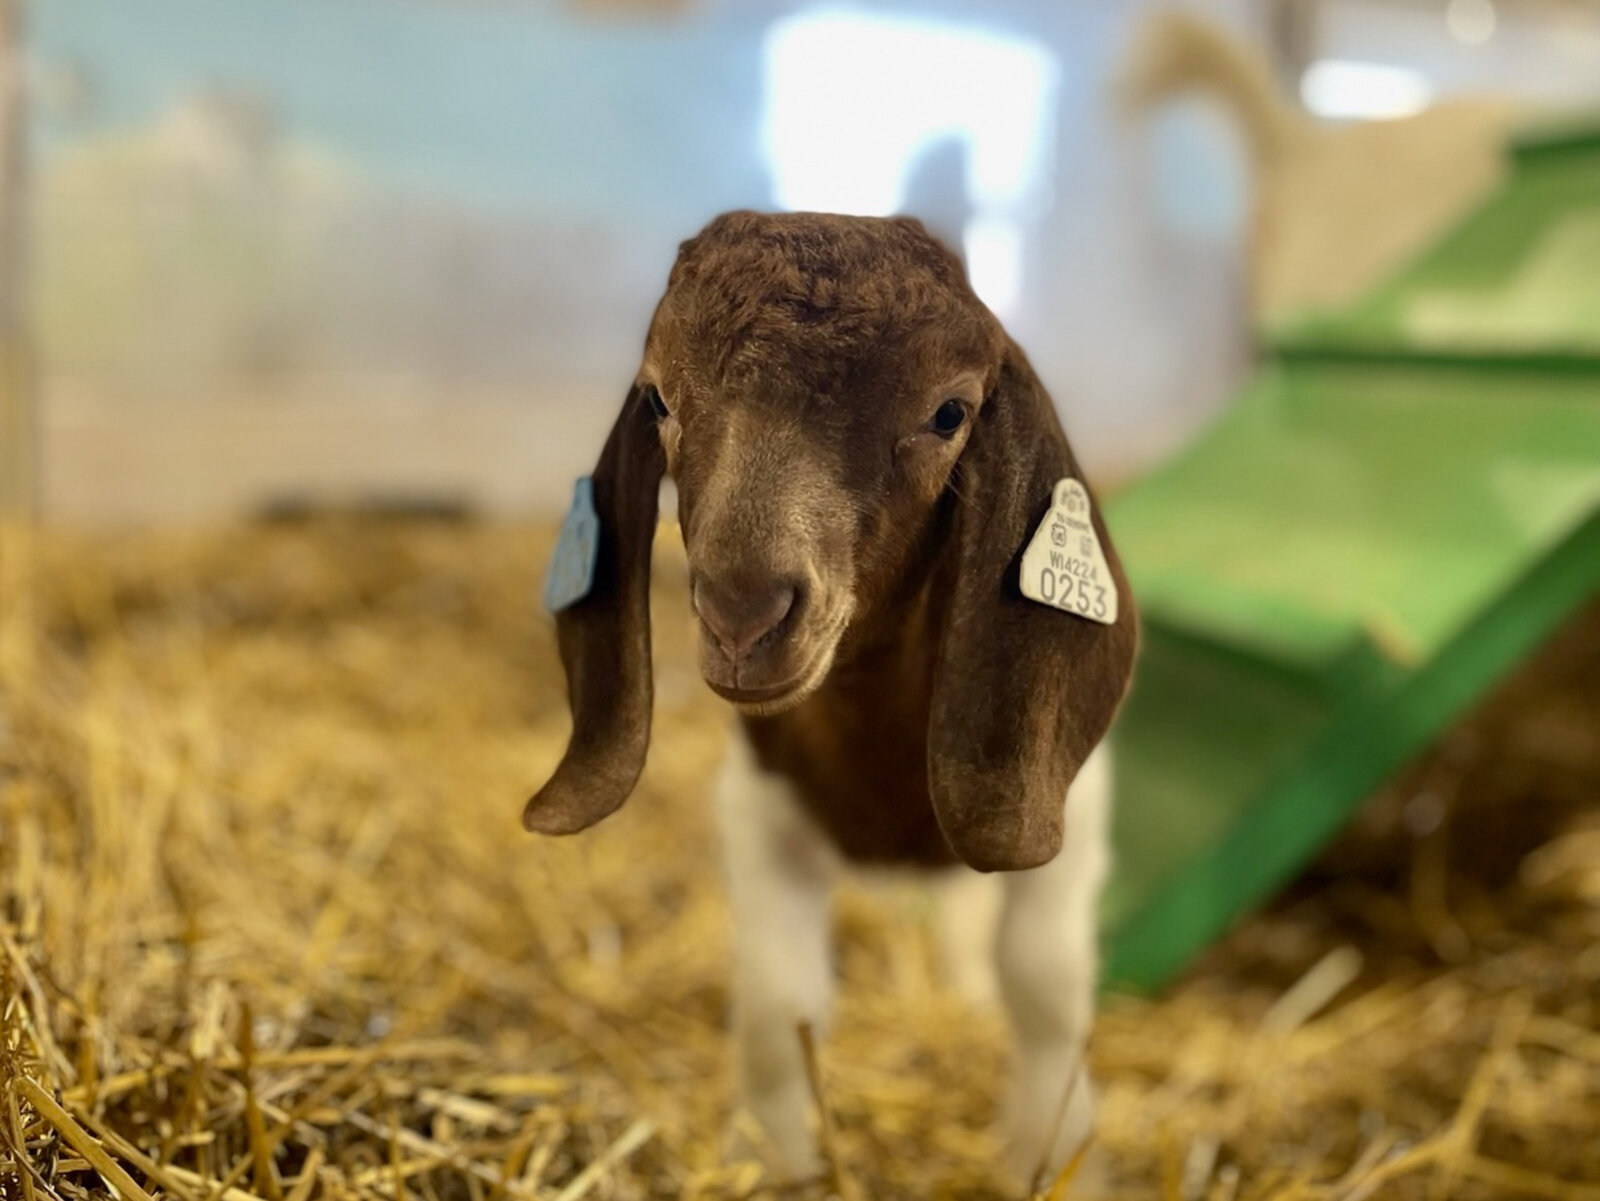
{"points": [[269, 927]]}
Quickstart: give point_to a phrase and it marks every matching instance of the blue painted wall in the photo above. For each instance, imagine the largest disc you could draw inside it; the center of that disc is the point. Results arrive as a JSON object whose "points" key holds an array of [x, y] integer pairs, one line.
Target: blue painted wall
{"points": [[528, 106]]}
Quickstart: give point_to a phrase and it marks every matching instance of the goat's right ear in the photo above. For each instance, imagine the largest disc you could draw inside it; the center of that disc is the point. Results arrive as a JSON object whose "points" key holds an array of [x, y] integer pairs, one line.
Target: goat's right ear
{"points": [[605, 637], [1022, 692]]}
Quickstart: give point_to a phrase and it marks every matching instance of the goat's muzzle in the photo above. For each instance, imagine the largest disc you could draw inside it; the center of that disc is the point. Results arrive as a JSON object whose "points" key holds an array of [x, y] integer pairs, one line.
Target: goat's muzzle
{"points": [[754, 648]]}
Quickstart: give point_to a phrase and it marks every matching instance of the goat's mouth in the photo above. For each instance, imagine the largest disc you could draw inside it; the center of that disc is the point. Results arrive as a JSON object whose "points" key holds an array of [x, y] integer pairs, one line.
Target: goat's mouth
{"points": [[762, 701], [768, 700]]}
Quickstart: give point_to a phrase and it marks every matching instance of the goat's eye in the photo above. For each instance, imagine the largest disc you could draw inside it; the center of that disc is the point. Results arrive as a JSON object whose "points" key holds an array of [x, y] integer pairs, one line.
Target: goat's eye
{"points": [[949, 418], [657, 405]]}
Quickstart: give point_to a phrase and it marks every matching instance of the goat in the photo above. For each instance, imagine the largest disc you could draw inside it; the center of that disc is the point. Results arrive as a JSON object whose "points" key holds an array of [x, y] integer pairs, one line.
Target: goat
{"points": [[861, 455]]}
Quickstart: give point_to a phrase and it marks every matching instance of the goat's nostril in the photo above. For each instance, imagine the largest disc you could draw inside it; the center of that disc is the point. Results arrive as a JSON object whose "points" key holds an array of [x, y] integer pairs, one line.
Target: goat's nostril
{"points": [[738, 619]]}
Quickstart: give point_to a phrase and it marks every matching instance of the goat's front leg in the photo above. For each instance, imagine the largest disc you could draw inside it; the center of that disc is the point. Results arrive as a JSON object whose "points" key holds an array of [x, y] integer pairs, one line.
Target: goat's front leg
{"points": [[1047, 956], [968, 905], [780, 877]]}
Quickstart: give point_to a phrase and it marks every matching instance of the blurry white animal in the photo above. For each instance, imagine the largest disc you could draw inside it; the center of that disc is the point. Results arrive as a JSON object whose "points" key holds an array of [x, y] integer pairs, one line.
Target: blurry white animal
{"points": [[1336, 207]]}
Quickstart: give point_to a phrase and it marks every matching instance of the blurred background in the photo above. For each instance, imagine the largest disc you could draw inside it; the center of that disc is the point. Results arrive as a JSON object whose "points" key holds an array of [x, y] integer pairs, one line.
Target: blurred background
{"points": [[322, 252]]}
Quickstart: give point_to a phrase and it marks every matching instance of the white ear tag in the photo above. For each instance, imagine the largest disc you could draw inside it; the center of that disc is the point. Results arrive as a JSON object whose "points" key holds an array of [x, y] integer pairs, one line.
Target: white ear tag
{"points": [[572, 566], [1064, 566]]}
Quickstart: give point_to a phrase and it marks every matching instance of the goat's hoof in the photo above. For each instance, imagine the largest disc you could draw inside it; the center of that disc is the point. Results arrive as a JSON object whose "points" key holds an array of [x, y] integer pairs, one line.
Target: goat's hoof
{"points": [[788, 1156], [1019, 1165]]}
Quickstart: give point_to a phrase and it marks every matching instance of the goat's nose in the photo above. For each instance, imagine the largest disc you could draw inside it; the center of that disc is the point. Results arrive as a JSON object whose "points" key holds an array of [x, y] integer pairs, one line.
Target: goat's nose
{"points": [[739, 618]]}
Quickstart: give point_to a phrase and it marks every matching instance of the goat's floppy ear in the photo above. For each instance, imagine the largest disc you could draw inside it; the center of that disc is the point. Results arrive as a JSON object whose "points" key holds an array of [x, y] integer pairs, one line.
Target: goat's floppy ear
{"points": [[1022, 692], [605, 637]]}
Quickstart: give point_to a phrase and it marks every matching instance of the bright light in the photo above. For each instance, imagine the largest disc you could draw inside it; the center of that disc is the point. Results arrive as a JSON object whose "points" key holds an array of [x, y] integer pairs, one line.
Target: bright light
{"points": [[854, 99], [993, 247], [1370, 91], [1471, 21]]}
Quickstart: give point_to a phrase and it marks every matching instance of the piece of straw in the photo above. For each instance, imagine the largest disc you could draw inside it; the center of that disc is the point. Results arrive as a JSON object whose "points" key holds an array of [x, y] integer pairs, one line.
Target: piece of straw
{"points": [[80, 1140], [841, 1180]]}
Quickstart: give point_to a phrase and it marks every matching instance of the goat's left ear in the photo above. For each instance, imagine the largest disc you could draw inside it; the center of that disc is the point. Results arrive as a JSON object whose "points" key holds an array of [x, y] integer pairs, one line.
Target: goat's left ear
{"points": [[605, 637], [1022, 692]]}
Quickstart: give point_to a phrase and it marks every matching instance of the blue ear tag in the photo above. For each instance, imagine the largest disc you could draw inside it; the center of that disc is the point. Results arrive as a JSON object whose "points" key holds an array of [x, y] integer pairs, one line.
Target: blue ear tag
{"points": [[572, 566]]}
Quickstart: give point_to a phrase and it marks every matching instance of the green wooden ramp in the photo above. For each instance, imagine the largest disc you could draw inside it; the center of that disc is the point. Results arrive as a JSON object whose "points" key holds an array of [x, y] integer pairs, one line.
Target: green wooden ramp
{"points": [[1402, 505]]}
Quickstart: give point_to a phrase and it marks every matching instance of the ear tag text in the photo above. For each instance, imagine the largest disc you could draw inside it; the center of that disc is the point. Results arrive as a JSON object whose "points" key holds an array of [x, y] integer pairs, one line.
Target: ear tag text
{"points": [[572, 565], [1064, 566]]}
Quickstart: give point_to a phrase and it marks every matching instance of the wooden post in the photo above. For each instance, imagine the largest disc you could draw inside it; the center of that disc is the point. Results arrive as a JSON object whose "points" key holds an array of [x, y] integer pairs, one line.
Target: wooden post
{"points": [[1291, 28], [18, 431], [18, 428]]}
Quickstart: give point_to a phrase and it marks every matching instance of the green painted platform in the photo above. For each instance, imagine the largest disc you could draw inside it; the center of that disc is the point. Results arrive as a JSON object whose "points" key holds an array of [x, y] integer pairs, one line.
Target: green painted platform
{"points": [[1402, 505]]}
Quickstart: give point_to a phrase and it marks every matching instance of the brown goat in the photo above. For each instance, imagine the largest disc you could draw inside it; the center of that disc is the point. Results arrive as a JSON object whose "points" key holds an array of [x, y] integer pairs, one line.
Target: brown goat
{"points": [[861, 456]]}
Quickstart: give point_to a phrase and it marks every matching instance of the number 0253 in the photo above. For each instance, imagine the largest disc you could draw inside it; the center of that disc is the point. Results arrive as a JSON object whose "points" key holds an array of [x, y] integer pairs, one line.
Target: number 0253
{"points": [[1072, 593]]}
